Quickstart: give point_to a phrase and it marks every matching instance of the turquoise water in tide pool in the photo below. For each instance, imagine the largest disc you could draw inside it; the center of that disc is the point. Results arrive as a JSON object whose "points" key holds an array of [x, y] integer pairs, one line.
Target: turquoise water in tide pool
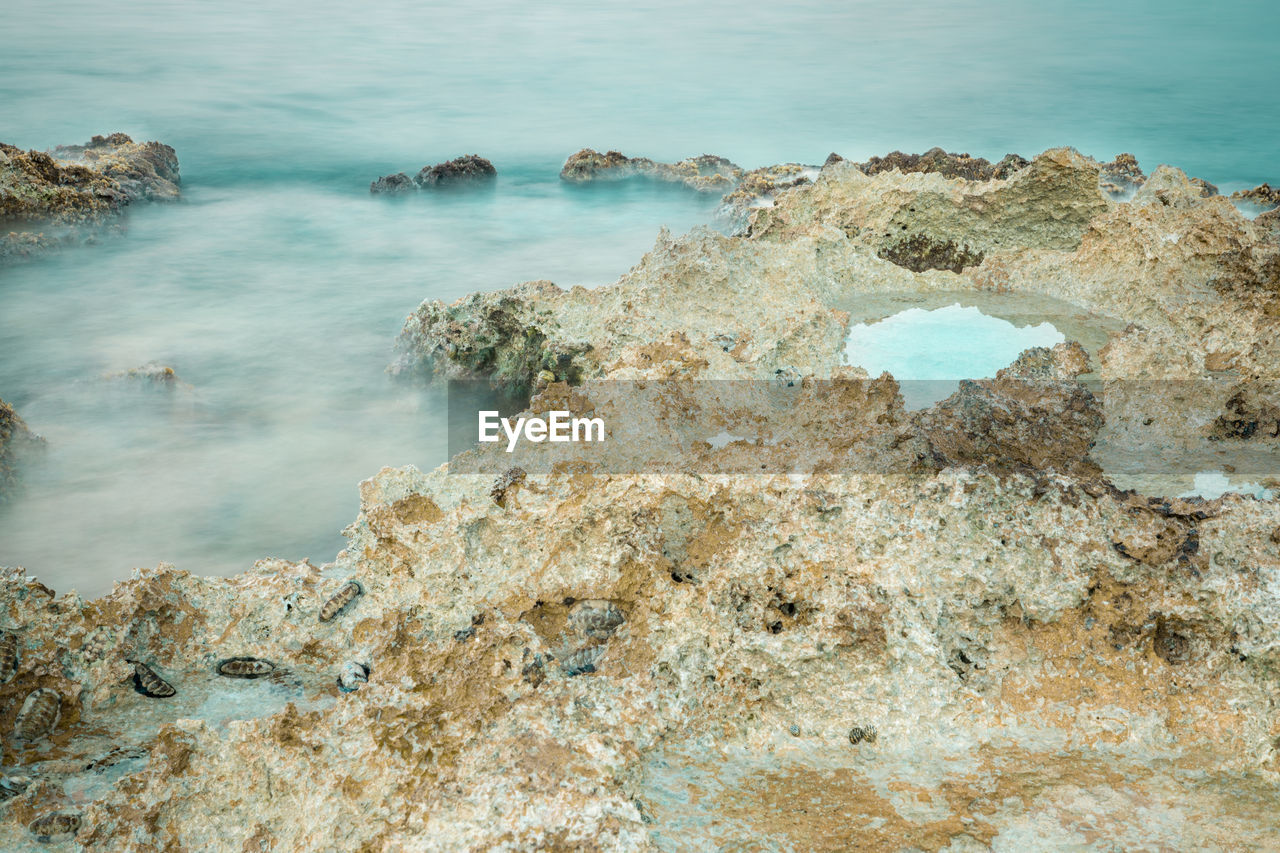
{"points": [[276, 286]]}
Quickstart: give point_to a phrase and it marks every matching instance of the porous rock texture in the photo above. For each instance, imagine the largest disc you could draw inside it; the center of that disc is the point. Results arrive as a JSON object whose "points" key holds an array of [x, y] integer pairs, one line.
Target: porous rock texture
{"points": [[64, 195], [984, 644]]}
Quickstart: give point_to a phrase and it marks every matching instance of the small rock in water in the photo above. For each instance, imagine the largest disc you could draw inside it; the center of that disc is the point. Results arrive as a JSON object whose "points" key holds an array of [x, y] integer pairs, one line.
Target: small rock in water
{"points": [[467, 169], [55, 826], [353, 675], [146, 682], [245, 667], [349, 592], [38, 715]]}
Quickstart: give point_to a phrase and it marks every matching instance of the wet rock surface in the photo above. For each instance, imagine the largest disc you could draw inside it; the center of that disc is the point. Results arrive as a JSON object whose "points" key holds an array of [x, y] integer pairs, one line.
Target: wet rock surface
{"points": [[971, 646], [467, 170]]}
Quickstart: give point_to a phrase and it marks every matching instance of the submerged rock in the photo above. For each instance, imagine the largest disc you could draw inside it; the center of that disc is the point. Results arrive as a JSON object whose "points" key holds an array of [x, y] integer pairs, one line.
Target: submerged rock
{"points": [[152, 374], [468, 169], [16, 440]]}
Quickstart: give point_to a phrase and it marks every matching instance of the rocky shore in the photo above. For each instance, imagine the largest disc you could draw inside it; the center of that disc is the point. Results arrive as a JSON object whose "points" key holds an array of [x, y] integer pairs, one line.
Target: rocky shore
{"points": [[69, 194], [984, 640]]}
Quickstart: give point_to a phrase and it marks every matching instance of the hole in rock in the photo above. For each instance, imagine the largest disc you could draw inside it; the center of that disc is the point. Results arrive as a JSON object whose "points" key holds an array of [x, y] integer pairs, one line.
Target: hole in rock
{"points": [[931, 350]]}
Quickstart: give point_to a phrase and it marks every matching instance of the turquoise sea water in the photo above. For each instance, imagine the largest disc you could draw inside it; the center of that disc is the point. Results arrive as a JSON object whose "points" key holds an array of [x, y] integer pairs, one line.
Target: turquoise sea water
{"points": [[276, 286]]}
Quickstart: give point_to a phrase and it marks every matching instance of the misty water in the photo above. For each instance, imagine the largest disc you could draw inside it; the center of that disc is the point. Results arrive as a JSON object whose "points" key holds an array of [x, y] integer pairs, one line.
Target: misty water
{"points": [[275, 288]]}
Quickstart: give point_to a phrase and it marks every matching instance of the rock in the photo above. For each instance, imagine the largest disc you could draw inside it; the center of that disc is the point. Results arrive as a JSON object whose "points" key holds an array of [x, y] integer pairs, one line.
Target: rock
{"points": [[397, 183], [16, 440], [1121, 176], [82, 186], [954, 607], [938, 161], [465, 170], [507, 338], [704, 173], [1263, 195], [1032, 417]]}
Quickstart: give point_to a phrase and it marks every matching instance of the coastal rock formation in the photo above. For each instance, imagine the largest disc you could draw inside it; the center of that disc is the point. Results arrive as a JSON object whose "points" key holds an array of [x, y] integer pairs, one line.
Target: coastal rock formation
{"points": [[49, 199], [950, 629], [15, 440], [940, 162], [467, 169], [1264, 196], [704, 173]]}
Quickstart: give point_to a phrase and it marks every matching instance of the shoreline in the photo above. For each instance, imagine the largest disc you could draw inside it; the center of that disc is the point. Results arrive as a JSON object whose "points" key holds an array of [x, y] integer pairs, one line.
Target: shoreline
{"points": [[549, 666]]}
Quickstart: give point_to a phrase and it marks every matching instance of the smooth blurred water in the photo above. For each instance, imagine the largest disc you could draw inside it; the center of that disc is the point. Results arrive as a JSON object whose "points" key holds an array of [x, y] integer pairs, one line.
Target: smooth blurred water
{"points": [[276, 286]]}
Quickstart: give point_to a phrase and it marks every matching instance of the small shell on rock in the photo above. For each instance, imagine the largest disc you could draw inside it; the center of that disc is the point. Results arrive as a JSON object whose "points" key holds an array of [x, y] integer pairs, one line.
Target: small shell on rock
{"points": [[8, 655], [39, 714], [596, 618], [349, 592], [582, 661], [862, 734], [55, 826], [114, 757], [245, 667], [353, 675], [146, 682]]}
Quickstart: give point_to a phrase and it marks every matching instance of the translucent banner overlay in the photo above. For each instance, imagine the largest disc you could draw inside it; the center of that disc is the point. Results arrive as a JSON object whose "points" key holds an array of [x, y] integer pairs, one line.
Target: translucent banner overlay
{"points": [[1132, 429]]}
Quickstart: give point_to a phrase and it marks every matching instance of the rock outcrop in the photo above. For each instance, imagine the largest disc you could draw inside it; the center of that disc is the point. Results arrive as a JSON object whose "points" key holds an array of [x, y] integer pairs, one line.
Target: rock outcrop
{"points": [[469, 169], [51, 198], [951, 629]]}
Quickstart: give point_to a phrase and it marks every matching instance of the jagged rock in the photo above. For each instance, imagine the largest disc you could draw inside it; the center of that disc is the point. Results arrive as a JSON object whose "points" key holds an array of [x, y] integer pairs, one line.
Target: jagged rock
{"points": [[1121, 176], [704, 173], [1031, 417], [1263, 195], [467, 169], [508, 338], [15, 440], [938, 161], [152, 374], [144, 170], [79, 185]]}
